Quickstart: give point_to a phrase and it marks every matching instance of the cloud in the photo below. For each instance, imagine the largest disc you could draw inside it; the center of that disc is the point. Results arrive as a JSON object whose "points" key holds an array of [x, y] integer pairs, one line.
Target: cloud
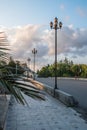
{"points": [[76, 41], [23, 39], [70, 41], [70, 26]]}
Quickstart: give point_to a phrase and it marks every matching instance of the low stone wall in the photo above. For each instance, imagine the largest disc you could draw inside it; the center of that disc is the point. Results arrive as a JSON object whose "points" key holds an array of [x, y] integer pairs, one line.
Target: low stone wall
{"points": [[64, 97]]}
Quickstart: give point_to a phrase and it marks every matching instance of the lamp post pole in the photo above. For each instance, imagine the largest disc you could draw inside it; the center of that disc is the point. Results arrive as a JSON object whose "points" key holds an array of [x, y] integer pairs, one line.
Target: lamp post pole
{"points": [[29, 66], [55, 26], [34, 51], [55, 58], [29, 61], [16, 68]]}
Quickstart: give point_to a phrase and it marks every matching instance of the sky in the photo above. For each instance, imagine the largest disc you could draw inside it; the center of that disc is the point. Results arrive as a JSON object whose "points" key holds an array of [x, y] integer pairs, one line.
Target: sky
{"points": [[26, 25]]}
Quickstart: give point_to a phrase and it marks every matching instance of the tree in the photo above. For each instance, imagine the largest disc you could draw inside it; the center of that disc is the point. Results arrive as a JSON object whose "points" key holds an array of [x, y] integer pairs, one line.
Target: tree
{"points": [[83, 71], [76, 70], [65, 68], [13, 64]]}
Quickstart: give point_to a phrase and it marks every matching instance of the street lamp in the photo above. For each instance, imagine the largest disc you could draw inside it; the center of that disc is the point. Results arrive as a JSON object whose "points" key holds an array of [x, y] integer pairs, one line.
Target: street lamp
{"points": [[16, 67], [55, 26], [34, 51], [29, 62], [29, 66]]}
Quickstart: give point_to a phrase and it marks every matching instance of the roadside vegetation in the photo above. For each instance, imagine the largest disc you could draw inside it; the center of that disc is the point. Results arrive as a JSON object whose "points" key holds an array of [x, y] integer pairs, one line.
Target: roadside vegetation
{"points": [[65, 68], [9, 80]]}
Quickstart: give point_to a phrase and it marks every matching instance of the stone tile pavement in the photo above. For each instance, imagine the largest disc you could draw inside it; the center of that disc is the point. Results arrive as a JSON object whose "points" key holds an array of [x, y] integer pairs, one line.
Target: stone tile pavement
{"points": [[43, 115], [4, 103]]}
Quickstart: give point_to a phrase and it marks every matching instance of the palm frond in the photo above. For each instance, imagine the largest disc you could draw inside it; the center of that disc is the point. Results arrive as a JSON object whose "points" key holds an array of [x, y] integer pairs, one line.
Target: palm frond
{"points": [[10, 82]]}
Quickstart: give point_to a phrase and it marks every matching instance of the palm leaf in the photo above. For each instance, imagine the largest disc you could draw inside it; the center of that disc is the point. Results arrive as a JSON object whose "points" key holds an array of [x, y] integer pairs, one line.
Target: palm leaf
{"points": [[9, 81]]}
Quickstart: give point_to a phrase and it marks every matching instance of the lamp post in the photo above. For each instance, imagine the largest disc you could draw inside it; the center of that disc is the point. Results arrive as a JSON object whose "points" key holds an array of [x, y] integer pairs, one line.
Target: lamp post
{"points": [[16, 68], [29, 61], [34, 51], [55, 26], [29, 66]]}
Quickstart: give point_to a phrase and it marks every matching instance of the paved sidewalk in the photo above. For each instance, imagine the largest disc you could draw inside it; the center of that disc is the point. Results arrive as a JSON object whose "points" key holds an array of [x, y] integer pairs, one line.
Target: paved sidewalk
{"points": [[43, 115], [4, 102]]}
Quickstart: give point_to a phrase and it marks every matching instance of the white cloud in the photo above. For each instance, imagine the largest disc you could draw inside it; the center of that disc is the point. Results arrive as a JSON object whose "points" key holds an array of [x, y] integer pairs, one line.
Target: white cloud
{"points": [[71, 42], [70, 26]]}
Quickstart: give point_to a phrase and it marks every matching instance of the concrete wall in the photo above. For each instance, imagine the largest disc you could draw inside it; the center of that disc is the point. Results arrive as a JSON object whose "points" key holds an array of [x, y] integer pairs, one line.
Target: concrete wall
{"points": [[64, 97]]}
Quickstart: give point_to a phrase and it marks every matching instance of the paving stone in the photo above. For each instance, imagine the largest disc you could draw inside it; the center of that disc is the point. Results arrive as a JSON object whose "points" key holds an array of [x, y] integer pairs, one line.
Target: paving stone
{"points": [[43, 115]]}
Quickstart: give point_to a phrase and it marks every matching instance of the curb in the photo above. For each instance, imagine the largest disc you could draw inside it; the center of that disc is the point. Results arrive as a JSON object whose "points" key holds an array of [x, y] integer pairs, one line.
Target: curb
{"points": [[4, 108], [64, 97]]}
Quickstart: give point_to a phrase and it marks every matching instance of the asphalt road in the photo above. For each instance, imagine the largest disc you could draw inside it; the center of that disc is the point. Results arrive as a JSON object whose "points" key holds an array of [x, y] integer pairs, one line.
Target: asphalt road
{"points": [[75, 87]]}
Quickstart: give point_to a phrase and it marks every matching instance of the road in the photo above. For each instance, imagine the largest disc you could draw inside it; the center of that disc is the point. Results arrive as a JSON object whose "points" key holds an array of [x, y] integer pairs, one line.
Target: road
{"points": [[77, 88]]}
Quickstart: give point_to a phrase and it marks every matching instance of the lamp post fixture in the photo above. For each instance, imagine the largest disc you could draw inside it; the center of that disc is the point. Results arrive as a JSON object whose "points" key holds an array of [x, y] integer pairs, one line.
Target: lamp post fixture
{"points": [[34, 51], [55, 26]]}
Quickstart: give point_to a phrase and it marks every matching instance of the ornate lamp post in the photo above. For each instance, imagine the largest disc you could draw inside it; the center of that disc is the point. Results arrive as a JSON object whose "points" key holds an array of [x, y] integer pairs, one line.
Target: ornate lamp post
{"points": [[16, 68], [34, 51], [29, 61], [29, 66], [55, 26]]}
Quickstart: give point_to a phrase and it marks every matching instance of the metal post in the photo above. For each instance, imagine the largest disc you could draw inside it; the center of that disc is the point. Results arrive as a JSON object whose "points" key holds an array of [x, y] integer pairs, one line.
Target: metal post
{"points": [[16, 68], [34, 66], [29, 66], [34, 52], [55, 59], [55, 26]]}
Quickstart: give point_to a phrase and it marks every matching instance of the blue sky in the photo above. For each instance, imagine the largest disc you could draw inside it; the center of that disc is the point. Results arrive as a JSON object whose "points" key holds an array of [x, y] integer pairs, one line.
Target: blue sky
{"points": [[22, 12], [26, 23]]}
